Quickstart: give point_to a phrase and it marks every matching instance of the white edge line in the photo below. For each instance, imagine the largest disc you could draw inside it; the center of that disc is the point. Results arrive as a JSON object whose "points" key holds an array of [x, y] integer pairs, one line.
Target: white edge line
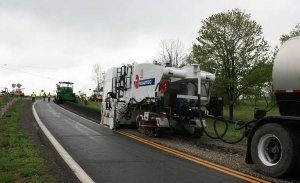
{"points": [[79, 172]]}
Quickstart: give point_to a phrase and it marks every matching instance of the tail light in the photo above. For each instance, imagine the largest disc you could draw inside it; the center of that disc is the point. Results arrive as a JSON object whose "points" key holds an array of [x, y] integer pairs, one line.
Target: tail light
{"points": [[259, 113]]}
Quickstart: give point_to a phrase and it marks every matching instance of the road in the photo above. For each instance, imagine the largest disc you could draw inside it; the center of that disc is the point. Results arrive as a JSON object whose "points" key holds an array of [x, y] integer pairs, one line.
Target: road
{"points": [[107, 156]]}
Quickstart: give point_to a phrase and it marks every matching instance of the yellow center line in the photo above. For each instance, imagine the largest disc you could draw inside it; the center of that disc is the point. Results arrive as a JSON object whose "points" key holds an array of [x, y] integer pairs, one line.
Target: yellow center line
{"points": [[195, 159]]}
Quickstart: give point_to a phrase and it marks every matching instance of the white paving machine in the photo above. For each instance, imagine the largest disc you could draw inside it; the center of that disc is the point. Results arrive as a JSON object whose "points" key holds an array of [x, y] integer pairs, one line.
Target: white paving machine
{"points": [[156, 98]]}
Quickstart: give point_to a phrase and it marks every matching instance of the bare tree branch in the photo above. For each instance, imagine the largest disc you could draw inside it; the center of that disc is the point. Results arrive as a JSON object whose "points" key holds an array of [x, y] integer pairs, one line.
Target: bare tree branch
{"points": [[97, 75], [172, 51]]}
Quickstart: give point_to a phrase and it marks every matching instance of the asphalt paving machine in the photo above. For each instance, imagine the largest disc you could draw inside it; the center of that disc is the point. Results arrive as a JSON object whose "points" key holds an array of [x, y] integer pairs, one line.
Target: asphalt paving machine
{"points": [[64, 92], [156, 98]]}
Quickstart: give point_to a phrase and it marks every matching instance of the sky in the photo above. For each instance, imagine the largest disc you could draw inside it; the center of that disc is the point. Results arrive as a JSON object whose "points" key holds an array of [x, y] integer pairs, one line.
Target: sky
{"points": [[43, 42]]}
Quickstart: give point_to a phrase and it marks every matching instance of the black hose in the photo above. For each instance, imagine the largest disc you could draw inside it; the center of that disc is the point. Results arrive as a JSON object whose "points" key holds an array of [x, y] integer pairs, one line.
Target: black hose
{"points": [[225, 131], [215, 127], [201, 121], [202, 124], [241, 124]]}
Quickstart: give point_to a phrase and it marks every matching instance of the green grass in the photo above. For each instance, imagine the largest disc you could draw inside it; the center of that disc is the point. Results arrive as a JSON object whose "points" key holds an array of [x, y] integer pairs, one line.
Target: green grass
{"points": [[244, 113], [96, 105], [4, 99], [19, 162]]}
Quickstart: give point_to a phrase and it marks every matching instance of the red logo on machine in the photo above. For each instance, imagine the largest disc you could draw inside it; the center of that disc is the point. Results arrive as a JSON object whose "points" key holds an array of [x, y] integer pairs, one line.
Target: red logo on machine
{"points": [[136, 81]]}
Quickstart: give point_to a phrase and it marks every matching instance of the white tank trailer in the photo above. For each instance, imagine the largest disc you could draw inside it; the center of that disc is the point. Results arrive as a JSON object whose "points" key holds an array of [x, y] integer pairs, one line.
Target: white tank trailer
{"points": [[155, 97], [273, 141]]}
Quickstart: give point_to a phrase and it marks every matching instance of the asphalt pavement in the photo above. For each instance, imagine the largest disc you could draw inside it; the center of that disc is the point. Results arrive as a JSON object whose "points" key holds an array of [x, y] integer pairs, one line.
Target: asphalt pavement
{"points": [[104, 155]]}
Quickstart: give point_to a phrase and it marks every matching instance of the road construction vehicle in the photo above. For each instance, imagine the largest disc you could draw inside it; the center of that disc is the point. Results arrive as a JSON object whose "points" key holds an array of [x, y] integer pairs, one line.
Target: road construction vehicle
{"points": [[18, 93], [3, 90], [64, 92], [273, 141], [156, 98], [96, 96]]}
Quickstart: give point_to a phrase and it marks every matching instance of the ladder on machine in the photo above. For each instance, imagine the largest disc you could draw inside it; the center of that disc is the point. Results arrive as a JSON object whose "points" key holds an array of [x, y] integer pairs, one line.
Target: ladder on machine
{"points": [[122, 82]]}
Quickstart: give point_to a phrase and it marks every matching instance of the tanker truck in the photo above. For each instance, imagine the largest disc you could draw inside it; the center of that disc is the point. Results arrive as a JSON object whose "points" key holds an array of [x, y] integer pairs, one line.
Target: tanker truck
{"points": [[273, 142]]}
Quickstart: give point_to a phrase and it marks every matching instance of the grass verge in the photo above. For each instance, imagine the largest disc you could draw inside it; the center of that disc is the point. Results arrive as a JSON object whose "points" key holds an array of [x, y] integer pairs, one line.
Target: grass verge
{"points": [[4, 99], [19, 162], [92, 104]]}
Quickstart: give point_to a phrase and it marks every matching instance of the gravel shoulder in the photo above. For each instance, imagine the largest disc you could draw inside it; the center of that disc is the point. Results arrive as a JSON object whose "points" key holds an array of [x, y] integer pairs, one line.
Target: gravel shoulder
{"points": [[216, 151], [231, 156]]}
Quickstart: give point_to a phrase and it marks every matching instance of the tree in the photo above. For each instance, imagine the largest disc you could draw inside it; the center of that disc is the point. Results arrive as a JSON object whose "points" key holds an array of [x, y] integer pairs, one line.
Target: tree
{"points": [[97, 76], [233, 44], [295, 32], [172, 51]]}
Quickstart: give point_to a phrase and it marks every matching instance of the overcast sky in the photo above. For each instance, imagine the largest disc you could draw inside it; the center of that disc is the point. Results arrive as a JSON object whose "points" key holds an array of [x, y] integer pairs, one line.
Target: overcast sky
{"points": [[43, 42]]}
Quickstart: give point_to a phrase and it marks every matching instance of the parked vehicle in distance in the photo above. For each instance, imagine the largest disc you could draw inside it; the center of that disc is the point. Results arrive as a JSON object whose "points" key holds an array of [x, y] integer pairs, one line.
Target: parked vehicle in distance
{"points": [[96, 96]]}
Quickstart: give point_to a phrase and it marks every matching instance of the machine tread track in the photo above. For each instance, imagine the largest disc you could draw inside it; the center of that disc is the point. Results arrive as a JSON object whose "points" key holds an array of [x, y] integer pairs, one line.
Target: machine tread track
{"points": [[150, 128]]}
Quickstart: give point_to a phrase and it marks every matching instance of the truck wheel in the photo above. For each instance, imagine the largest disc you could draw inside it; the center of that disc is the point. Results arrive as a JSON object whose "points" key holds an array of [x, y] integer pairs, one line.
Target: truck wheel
{"points": [[275, 150]]}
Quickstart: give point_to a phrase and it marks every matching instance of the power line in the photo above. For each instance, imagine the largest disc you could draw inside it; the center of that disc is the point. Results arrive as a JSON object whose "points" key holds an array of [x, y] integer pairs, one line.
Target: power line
{"points": [[9, 68], [35, 67]]}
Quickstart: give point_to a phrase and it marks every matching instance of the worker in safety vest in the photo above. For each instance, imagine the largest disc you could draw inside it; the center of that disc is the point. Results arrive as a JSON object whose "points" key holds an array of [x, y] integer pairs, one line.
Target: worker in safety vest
{"points": [[44, 96], [86, 99], [33, 95], [49, 96], [79, 98]]}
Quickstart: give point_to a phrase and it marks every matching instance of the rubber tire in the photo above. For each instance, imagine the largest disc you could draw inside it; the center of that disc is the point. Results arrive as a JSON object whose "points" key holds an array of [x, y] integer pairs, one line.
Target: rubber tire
{"points": [[289, 158], [138, 122]]}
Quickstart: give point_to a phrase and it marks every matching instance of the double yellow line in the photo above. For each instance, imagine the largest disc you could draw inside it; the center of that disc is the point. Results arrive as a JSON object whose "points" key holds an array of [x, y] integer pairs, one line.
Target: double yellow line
{"points": [[220, 168]]}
